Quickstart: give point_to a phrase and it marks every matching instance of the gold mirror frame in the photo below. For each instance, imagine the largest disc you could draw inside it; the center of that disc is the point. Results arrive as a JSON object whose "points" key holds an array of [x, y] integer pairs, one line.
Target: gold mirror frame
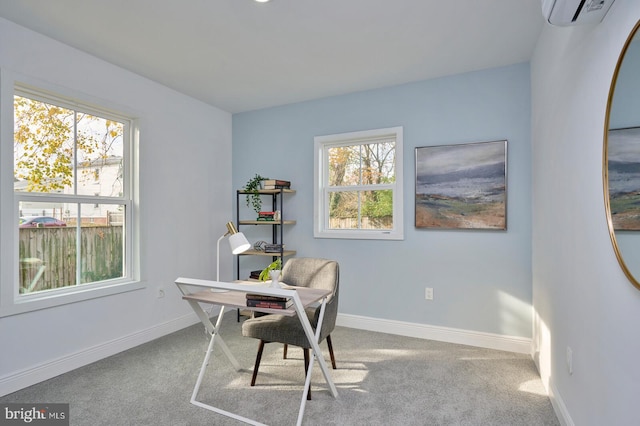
{"points": [[605, 159]]}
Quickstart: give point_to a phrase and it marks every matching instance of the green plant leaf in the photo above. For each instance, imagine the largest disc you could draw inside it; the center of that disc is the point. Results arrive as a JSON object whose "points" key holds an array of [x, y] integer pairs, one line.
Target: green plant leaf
{"points": [[275, 265], [253, 199]]}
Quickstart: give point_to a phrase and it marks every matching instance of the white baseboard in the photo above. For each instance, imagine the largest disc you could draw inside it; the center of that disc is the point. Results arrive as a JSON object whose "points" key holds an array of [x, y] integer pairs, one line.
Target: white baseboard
{"points": [[558, 406], [443, 334], [53, 368]]}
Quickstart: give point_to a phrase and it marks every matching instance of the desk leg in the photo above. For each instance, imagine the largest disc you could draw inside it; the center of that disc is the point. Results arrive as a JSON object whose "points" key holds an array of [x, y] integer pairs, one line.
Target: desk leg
{"points": [[215, 337], [317, 353], [212, 341], [205, 363], [213, 330], [210, 407]]}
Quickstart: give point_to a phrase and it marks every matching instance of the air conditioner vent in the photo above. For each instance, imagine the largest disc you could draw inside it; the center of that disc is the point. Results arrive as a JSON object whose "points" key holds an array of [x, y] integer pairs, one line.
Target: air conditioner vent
{"points": [[575, 12]]}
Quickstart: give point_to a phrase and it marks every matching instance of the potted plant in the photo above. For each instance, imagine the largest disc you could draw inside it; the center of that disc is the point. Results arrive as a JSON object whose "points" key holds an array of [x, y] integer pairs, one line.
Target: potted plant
{"points": [[253, 185], [272, 271]]}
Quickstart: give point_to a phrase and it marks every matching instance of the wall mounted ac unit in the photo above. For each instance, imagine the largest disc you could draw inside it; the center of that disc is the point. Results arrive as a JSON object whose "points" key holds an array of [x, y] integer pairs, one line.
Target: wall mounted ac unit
{"points": [[574, 12]]}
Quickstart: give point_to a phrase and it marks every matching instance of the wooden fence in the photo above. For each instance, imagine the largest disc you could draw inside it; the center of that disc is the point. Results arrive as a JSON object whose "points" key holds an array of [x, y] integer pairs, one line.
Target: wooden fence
{"points": [[48, 256], [385, 222]]}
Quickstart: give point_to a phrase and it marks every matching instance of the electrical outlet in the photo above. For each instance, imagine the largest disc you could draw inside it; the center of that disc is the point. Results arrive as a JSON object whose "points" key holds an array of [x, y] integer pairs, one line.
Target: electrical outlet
{"points": [[428, 293], [569, 360]]}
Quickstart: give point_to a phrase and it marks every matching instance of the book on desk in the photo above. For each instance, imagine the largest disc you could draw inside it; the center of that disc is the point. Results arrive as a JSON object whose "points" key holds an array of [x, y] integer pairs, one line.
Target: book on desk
{"points": [[266, 301]]}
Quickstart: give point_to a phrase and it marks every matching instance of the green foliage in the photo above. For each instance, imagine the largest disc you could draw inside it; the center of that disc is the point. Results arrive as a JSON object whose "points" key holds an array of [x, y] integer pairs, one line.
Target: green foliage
{"points": [[379, 204], [253, 199], [48, 137], [43, 145], [276, 265], [373, 204]]}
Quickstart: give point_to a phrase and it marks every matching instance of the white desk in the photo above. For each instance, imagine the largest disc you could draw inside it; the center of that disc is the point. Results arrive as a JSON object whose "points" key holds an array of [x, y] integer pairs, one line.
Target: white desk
{"points": [[224, 294]]}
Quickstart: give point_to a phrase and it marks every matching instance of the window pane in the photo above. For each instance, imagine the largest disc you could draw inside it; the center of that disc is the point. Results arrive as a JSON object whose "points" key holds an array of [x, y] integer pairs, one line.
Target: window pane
{"points": [[368, 164], [48, 244], [344, 165], [361, 209], [378, 161], [102, 242], [47, 247], [377, 209], [46, 138], [43, 146], [343, 210], [100, 149]]}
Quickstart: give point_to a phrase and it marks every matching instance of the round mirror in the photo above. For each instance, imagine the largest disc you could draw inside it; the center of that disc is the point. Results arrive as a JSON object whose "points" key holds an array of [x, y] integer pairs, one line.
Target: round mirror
{"points": [[621, 169]]}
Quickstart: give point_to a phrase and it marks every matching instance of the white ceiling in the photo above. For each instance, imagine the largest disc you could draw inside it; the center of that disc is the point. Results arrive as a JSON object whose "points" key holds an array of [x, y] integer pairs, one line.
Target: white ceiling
{"points": [[240, 55]]}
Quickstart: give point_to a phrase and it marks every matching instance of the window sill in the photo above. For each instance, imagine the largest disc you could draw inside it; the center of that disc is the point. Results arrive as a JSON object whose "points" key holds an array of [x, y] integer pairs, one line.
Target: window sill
{"points": [[44, 300], [360, 235]]}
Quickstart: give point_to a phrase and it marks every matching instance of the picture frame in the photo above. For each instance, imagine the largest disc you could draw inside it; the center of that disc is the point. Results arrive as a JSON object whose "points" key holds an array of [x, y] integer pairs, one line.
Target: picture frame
{"points": [[462, 186], [623, 173]]}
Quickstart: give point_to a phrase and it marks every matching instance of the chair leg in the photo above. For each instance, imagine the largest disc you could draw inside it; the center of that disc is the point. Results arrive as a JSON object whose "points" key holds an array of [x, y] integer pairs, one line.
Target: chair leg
{"points": [[255, 367], [333, 359], [306, 369], [284, 351]]}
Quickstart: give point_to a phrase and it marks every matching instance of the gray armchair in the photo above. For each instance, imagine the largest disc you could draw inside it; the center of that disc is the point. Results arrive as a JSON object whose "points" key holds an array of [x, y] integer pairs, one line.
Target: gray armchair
{"points": [[303, 272]]}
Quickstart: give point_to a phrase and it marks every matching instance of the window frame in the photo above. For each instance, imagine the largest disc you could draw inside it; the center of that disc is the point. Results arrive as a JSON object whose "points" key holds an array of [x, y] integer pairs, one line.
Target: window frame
{"points": [[11, 300], [321, 178]]}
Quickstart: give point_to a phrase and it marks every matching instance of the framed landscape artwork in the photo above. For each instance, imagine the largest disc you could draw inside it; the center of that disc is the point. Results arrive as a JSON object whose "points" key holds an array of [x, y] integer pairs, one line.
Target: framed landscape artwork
{"points": [[624, 178], [462, 186]]}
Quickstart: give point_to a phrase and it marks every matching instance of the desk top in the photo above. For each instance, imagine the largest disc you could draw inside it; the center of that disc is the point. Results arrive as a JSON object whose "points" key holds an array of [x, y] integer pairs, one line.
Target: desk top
{"points": [[237, 299]]}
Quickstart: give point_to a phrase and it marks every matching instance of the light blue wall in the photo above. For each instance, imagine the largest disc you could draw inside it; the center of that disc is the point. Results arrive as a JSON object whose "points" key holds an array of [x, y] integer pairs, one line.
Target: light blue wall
{"points": [[481, 279]]}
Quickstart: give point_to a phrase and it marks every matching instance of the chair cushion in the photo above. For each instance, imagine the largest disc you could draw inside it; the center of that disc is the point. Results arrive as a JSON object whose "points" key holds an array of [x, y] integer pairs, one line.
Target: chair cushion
{"points": [[279, 328]]}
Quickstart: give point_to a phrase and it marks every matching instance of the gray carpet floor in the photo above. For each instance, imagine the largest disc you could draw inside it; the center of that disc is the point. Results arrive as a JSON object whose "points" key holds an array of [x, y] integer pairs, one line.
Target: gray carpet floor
{"points": [[382, 379]]}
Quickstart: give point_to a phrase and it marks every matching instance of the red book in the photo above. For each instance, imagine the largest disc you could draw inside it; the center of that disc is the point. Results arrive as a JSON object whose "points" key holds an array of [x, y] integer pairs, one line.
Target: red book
{"points": [[266, 297], [276, 182], [269, 304]]}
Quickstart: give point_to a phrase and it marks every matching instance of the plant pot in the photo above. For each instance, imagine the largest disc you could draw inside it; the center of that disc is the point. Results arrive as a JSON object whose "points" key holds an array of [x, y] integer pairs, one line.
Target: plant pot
{"points": [[275, 278]]}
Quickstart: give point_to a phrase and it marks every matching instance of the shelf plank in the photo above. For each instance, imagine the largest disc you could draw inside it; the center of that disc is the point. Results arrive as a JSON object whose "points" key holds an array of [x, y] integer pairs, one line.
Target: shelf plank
{"points": [[268, 191], [267, 222], [261, 253]]}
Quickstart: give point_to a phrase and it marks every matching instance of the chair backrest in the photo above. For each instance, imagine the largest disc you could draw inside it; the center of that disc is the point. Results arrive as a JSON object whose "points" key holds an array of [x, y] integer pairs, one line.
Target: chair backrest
{"points": [[316, 273], [312, 273]]}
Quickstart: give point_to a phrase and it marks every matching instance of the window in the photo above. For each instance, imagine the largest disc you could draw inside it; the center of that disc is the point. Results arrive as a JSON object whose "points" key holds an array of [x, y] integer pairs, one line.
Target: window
{"points": [[358, 185], [73, 198]]}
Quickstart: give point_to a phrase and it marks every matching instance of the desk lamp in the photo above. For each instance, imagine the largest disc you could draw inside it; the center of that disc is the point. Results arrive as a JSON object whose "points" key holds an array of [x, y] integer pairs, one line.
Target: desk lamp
{"points": [[237, 241]]}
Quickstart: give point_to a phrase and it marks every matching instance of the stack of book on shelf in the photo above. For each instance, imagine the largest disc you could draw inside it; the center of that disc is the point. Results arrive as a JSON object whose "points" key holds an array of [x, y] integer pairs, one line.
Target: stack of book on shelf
{"points": [[268, 216], [255, 275], [273, 248], [276, 184], [271, 302]]}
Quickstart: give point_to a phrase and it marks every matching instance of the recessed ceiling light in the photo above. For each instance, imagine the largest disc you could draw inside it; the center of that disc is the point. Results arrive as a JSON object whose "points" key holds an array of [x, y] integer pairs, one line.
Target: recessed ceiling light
{"points": [[262, 1]]}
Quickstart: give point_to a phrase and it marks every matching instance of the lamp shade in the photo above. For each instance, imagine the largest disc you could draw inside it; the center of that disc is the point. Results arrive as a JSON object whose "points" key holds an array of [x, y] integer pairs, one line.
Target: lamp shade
{"points": [[238, 243]]}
